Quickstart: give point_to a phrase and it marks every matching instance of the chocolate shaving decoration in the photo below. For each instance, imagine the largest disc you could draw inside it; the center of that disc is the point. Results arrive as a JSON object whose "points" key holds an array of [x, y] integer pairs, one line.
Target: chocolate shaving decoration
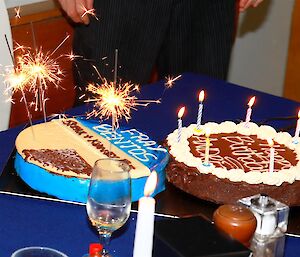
{"points": [[63, 159]]}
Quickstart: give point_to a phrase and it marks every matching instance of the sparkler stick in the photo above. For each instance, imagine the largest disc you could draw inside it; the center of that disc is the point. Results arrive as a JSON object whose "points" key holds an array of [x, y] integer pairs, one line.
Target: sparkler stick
{"points": [[115, 83], [26, 106], [39, 95], [19, 81], [33, 36], [61, 43], [42, 69], [116, 67], [98, 73]]}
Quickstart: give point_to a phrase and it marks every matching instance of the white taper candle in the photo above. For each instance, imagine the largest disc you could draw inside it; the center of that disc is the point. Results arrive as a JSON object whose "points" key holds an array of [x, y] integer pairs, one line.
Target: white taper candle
{"points": [[144, 230]]}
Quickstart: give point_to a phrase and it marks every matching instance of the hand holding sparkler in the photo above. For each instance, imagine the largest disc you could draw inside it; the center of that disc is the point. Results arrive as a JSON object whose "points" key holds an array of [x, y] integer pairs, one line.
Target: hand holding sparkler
{"points": [[78, 10]]}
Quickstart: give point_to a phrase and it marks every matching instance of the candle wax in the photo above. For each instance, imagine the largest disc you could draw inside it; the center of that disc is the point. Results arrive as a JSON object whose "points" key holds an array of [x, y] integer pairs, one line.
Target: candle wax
{"points": [[144, 228]]}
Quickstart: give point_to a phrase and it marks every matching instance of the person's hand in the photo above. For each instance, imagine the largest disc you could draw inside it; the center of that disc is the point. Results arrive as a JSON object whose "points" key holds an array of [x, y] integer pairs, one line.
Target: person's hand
{"points": [[244, 4], [76, 9]]}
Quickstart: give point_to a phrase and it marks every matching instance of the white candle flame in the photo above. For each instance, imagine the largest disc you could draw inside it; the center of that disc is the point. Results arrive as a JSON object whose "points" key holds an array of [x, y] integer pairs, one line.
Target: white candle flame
{"points": [[201, 96], [150, 184], [181, 112], [251, 101]]}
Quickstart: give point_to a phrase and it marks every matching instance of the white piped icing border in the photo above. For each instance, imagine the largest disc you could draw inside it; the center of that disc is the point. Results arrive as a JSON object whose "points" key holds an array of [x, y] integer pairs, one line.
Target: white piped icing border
{"points": [[181, 153]]}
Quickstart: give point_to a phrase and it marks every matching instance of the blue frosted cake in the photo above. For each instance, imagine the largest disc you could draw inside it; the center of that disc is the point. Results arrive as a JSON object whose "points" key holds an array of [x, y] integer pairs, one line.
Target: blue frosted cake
{"points": [[57, 157]]}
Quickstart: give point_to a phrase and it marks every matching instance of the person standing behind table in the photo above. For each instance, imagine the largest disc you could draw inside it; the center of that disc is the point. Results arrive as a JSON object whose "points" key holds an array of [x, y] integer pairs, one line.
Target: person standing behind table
{"points": [[174, 36]]}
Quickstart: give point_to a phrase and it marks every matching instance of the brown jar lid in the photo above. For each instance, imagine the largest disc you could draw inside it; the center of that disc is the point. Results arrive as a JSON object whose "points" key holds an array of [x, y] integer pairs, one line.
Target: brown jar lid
{"points": [[235, 212], [235, 220]]}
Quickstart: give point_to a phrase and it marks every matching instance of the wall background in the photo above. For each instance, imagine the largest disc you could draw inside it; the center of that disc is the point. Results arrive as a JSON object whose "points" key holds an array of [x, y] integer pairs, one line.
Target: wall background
{"points": [[13, 3], [260, 52], [5, 60]]}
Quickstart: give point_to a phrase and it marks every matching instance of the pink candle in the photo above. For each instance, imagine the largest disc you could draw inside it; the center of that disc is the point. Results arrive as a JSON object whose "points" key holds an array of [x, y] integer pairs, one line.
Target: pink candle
{"points": [[249, 111], [272, 155]]}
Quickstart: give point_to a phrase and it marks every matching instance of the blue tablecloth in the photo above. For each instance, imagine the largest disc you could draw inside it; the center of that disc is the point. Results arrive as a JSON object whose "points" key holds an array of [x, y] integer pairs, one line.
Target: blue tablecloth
{"points": [[65, 227]]}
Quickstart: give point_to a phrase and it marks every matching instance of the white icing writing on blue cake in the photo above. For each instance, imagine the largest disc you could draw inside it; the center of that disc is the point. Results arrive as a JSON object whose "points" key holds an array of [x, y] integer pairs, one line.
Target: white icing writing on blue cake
{"points": [[132, 141]]}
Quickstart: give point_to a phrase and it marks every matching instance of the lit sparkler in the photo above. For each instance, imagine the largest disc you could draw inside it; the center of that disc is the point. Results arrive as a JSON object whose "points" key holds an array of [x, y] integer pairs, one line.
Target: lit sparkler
{"points": [[171, 80], [34, 72], [41, 71], [73, 56], [20, 47], [40, 67], [115, 100], [16, 80]]}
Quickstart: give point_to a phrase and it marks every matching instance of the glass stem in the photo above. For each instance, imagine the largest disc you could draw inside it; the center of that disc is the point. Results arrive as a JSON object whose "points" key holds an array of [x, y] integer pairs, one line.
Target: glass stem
{"points": [[105, 241]]}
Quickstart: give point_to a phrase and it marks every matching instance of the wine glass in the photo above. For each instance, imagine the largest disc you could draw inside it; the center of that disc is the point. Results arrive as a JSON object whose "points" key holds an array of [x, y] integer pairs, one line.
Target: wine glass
{"points": [[109, 198], [37, 251]]}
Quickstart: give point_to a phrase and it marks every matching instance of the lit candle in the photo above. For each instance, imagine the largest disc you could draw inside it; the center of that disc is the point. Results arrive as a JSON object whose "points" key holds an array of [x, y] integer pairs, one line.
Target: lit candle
{"points": [[249, 111], [200, 109], [272, 154], [143, 240], [180, 114], [207, 145], [296, 137]]}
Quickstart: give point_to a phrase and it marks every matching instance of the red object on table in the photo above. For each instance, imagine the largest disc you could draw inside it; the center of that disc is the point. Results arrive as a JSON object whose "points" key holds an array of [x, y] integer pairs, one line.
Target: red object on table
{"points": [[95, 250]]}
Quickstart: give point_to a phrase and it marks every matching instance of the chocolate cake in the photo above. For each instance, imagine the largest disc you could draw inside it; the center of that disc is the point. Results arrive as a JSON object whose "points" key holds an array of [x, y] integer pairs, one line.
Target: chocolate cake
{"points": [[239, 163]]}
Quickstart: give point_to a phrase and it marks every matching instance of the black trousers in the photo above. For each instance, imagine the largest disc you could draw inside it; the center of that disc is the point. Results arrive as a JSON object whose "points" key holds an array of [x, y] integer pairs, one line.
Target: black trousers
{"points": [[175, 36]]}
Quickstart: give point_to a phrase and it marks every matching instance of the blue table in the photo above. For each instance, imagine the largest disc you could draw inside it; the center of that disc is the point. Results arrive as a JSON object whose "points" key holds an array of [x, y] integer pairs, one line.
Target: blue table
{"points": [[65, 226]]}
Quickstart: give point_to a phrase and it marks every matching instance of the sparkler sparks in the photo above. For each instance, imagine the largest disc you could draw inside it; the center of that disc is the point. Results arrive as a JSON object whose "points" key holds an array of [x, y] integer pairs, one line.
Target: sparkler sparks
{"points": [[33, 72], [171, 80], [41, 69], [73, 56], [115, 101], [17, 11], [91, 12]]}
